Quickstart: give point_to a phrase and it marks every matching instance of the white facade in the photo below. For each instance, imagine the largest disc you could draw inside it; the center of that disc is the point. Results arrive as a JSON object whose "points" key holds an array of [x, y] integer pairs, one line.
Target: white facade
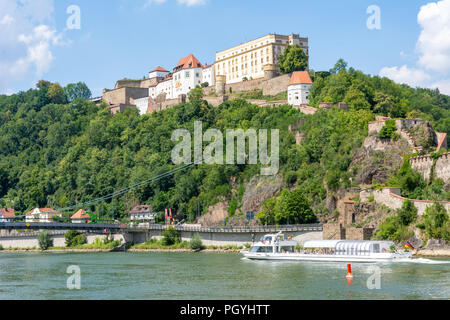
{"points": [[142, 105], [185, 80], [247, 60], [208, 75], [145, 216], [158, 74], [41, 215], [298, 94]]}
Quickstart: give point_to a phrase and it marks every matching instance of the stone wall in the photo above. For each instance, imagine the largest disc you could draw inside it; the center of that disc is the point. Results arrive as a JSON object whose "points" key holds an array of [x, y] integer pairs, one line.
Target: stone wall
{"points": [[391, 198], [244, 86], [124, 96], [423, 164], [352, 233], [277, 85], [406, 124], [333, 231], [58, 240], [216, 101]]}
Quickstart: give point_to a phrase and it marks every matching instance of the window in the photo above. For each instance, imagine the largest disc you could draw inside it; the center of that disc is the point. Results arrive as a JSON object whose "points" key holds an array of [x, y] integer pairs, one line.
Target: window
{"points": [[187, 74]]}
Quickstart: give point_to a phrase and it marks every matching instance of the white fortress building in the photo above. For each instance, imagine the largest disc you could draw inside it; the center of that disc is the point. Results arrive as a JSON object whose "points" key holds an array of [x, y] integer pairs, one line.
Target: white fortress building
{"points": [[247, 61]]}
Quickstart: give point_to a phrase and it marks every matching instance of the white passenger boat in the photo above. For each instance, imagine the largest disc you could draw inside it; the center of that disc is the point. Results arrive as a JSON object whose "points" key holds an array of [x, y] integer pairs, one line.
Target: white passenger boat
{"points": [[277, 247]]}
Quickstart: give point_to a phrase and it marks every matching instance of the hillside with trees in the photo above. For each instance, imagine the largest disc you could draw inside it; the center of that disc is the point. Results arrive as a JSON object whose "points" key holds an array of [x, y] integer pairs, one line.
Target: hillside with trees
{"points": [[58, 149]]}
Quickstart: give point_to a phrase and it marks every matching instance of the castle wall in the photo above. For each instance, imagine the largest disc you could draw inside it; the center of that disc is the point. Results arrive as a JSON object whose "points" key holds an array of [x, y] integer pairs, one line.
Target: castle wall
{"points": [[423, 164], [276, 85], [216, 101], [124, 95], [389, 198], [244, 86]]}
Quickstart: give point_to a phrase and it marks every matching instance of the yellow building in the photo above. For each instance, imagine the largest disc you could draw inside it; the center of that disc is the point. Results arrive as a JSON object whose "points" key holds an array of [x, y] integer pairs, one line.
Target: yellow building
{"points": [[247, 60]]}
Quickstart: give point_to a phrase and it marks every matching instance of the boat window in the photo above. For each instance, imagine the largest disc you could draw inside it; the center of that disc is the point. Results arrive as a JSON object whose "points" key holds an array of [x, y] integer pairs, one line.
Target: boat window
{"points": [[376, 248], [287, 249], [255, 249]]}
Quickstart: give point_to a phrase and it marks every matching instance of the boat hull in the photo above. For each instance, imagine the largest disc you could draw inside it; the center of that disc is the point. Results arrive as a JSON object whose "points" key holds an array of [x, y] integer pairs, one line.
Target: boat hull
{"points": [[332, 258]]}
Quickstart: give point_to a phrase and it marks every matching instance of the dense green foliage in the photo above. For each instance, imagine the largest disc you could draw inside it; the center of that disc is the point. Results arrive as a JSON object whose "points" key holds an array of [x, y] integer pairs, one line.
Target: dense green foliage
{"points": [[380, 95], [388, 130], [291, 207], [56, 155], [74, 238], [170, 236], [435, 222], [78, 90], [293, 59], [45, 240], [396, 227]]}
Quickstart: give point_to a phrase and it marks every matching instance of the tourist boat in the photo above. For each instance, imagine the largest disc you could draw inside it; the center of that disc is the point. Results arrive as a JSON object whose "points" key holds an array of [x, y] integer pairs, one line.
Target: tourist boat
{"points": [[277, 247]]}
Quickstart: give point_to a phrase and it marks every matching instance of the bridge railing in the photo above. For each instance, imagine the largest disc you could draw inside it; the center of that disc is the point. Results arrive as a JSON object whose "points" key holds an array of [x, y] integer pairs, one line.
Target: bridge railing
{"points": [[247, 229]]}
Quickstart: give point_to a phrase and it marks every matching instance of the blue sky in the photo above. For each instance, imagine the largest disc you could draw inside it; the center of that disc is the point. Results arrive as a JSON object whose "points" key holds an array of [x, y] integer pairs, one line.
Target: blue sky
{"points": [[128, 38]]}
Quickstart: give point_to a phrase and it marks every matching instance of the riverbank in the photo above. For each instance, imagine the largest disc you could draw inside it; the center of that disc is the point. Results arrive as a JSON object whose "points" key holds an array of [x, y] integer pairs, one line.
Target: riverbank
{"points": [[18, 250]]}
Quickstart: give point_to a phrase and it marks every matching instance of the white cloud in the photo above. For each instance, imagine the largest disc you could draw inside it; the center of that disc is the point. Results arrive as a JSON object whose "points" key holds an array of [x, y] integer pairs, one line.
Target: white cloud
{"points": [[412, 77], [188, 3], [191, 3], [26, 40], [7, 20], [434, 40], [149, 2], [433, 48], [443, 86]]}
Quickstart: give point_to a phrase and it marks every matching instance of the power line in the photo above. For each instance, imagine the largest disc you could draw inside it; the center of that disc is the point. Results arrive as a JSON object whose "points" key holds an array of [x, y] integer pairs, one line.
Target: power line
{"points": [[129, 188]]}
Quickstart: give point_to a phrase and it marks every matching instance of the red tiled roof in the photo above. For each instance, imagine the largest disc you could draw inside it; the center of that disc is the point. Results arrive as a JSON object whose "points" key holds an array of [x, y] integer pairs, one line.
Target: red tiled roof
{"points": [[300, 77], [161, 69], [141, 208], [80, 214], [7, 213], [188, 62]]}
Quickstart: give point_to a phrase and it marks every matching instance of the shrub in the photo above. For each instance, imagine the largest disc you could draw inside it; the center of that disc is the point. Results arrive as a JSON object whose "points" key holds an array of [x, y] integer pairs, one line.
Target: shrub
{"points": [[408, 213], [45, 240], [74, 238], [388, 130], [171, 236], [436, 222], [1, 247], [196, 243]]}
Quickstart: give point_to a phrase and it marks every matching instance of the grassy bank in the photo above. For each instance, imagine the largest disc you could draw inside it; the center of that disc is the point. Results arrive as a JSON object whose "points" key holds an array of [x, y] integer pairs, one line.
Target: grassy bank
{"points": [[159, 245]]}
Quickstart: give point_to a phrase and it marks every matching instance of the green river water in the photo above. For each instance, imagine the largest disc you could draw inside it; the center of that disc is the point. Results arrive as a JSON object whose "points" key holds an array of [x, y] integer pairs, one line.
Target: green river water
{"points": [[204, 276]]}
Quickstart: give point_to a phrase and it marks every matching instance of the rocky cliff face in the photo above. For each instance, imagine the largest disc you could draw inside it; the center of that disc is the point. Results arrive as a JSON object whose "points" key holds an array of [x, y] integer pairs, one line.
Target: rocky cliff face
{"points": [[258, 190], [374, 160]]}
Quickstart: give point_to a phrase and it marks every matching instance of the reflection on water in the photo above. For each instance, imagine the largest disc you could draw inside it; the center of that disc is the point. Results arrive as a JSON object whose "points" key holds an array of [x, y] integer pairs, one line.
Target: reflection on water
{"points": [[213, 276]]}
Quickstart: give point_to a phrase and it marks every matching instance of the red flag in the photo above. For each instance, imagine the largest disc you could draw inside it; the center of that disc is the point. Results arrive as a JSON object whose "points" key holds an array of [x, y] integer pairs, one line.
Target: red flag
{"points": [[170, 209], [166, 214]]}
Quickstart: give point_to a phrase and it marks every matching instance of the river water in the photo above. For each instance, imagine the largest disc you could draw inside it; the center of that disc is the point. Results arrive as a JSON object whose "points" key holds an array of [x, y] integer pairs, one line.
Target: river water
{"points": [[220, 276]]}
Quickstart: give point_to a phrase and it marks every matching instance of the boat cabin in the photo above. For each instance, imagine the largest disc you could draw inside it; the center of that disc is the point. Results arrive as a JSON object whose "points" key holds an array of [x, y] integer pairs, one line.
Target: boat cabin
{"points": [[347, 247]]}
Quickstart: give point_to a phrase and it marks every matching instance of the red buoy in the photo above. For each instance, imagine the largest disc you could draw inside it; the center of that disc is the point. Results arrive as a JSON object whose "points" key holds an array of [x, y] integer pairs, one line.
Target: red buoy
{"points": [[349, 271]]}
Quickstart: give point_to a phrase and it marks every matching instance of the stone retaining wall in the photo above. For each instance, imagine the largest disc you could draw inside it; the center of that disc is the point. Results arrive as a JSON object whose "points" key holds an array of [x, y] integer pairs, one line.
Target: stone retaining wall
{"points": [[391, 198]]}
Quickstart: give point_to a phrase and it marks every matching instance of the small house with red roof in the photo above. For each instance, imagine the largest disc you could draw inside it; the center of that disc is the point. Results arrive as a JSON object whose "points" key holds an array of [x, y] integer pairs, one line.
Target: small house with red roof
{"points": [[299, 88], [142, 213], [7, 215], [42, 215], [80, 217]]}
